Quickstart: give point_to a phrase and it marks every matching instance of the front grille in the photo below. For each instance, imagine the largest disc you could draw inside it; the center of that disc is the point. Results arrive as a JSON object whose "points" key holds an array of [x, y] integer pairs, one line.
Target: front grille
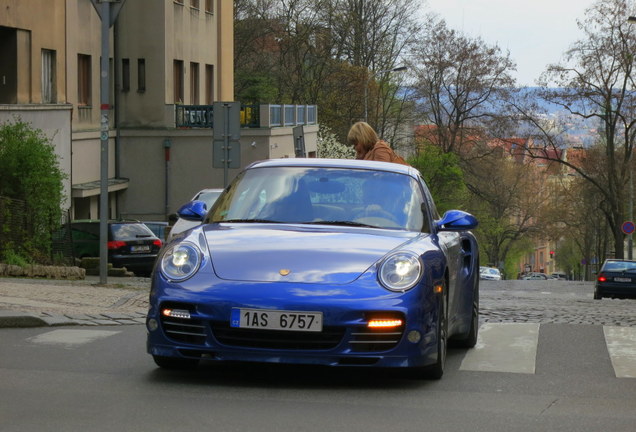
{"points": [[190, 331], [328, 338], [372, 340]]}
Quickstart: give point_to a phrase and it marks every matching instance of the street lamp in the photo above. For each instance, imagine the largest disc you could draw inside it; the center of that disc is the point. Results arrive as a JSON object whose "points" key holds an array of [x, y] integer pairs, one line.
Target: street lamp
{"points": [[630, 246], [366, 87]]}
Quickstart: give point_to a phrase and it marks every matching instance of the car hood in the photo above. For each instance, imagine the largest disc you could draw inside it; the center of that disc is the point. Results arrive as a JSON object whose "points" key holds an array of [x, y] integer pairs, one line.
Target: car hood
{"points": [[297, 254]]}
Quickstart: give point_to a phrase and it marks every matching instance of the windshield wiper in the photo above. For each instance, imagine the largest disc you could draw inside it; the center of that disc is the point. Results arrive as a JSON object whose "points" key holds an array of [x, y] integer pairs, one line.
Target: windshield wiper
{"points": [[341, 223], [246, 221]]}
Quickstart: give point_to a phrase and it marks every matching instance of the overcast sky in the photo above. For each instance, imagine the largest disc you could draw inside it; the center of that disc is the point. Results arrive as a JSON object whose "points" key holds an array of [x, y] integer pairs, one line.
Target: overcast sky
{"points": [[536, 32]]}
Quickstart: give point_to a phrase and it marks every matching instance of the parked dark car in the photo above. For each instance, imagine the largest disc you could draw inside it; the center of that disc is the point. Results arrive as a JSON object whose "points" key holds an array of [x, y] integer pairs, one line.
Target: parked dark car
{"points": [[158, 228], [131, 244], [616, 279], [318, 261]]}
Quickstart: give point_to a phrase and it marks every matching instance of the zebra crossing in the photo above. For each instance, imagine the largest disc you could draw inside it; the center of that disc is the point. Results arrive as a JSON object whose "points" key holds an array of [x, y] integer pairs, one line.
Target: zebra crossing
{"points": [[504, 348], [512, 348], [501, 347], [70, 337]]}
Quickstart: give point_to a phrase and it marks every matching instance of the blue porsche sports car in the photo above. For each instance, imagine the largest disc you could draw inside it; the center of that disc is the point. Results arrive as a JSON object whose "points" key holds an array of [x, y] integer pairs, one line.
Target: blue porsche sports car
{"points": [[316, 261]]}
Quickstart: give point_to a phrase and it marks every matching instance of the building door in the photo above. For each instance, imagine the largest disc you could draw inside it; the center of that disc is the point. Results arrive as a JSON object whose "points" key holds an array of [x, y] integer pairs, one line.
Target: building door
{"points": [[8, 66]]}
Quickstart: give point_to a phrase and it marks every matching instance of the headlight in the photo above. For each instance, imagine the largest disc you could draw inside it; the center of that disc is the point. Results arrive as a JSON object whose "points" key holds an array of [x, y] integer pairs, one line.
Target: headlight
{"points": [[400, 271], [181, 261]]}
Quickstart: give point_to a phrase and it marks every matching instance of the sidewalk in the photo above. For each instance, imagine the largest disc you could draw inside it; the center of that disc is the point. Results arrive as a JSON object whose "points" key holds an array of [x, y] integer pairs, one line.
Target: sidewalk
{"points": [[46, 302]]}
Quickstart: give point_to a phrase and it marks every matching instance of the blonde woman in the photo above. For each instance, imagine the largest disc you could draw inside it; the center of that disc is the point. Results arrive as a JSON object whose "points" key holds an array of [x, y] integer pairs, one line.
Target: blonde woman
{"points": [[368, 146]]}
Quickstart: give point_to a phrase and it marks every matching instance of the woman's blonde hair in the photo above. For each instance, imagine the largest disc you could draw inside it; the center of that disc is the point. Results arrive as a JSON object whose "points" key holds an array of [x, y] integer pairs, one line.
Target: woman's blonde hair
{"points": [[362, 133]]}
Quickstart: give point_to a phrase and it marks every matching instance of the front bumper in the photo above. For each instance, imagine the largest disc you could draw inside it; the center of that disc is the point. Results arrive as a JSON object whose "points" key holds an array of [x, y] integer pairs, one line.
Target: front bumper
{"points": [[345, 339]]}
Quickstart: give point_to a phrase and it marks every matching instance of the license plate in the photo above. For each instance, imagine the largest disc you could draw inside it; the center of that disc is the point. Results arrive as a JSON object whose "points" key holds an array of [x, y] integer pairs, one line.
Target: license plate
{"points": [[140, 249], [621, 279], [276, 320]]}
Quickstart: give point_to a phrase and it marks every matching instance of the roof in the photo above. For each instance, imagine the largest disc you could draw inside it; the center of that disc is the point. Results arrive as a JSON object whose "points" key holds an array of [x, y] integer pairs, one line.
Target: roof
{"points": [[335, 163]]}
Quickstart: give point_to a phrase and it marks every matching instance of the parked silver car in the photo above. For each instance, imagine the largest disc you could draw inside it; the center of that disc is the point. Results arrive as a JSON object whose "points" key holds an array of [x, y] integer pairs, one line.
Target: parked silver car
{"points": [[208, 196], [489, 273]]}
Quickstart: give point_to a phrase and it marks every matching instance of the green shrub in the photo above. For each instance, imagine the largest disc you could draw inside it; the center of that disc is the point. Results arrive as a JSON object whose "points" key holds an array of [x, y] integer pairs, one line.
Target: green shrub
{"points": [[12, 258], [29, 173]]}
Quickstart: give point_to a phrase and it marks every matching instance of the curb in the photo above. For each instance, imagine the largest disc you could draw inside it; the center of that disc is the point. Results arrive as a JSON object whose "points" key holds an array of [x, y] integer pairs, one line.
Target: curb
{"points": [[9, 319], [14, 319]]}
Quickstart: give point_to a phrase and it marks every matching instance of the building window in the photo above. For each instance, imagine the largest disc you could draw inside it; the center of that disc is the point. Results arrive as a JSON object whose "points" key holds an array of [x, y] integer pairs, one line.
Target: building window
{"points": [[141, 75], [178, 81], [194, 4], [49, 93], [83, 80], [178, 1], [125, 75], [209, 6], [194, 83], [209, 84]]}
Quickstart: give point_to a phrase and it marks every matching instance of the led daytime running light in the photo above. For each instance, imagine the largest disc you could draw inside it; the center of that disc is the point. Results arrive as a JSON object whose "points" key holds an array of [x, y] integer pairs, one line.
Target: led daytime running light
{"points": [[176, 313], [384, 323]]}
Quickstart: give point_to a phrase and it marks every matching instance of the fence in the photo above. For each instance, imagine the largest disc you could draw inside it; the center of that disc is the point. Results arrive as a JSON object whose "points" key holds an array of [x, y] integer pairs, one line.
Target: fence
{"points": [[19, 233], [13, 224], [62, 241]]}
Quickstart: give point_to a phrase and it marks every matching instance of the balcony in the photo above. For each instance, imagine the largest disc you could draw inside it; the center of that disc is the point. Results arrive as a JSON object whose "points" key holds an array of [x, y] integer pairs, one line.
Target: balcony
{"points": [[252, 116]]}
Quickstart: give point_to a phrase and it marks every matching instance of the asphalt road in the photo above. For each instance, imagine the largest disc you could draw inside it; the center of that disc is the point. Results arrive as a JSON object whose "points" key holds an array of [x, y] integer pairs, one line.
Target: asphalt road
{"points": [[527, 373]]}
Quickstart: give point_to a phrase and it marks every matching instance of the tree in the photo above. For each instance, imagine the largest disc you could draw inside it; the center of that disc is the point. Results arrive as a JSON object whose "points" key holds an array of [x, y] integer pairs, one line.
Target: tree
{"points": [[317, 51], [29, 171], [460, 82], [508, 197], [585, 230], [594, 83], [375, 35], [329, 147], [443, 175]]}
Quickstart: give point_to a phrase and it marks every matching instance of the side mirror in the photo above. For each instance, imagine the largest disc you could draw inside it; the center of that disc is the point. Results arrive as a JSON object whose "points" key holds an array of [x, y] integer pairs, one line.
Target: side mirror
{"points": [[193, 211], [456, 220]]}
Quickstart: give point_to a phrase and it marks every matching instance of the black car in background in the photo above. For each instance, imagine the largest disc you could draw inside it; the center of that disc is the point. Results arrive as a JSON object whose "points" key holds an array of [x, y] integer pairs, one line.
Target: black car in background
{"points": [[131, 244], [616, 279]]}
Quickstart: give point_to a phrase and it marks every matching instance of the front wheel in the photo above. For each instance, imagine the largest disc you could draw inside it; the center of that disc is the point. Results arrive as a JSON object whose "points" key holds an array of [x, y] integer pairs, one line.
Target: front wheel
{"points": [[437, 370], [470, 340]]}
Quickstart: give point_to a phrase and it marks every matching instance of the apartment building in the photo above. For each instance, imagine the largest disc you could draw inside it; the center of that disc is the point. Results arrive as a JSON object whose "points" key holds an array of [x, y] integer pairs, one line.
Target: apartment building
{"points": [[164, 55]]}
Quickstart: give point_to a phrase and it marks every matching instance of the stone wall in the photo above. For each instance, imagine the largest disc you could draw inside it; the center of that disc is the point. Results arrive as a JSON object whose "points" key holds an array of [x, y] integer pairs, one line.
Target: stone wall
{"points": [[42, 271]]}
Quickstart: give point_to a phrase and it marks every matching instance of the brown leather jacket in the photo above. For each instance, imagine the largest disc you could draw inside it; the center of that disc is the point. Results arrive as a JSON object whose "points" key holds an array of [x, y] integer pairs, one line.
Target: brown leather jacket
{"points": [[383, 153]]}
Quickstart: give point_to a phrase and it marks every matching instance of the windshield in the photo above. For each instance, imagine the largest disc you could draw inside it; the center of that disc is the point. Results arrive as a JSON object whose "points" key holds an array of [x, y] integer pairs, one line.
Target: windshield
{"points": [[130, 231], [322, 196], [620, 266]]}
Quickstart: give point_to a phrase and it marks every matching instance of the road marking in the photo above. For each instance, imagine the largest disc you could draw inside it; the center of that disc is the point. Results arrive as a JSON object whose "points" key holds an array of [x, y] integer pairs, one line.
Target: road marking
{"points": [[71, 337], [500, 347], [621, 345]]}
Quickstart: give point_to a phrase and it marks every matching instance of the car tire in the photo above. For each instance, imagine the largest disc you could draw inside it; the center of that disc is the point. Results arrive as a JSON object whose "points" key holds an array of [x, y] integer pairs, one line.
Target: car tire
{"points": [[597, 294], [175, 363], [470, 340], [436, 371]]}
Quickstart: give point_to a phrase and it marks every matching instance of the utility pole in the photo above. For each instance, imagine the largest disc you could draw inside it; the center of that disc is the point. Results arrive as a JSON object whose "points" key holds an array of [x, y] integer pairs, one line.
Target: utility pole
{"points": [[107, 11]]}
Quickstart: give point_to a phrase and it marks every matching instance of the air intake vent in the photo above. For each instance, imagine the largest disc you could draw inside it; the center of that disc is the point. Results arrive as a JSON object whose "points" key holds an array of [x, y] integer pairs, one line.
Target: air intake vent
{"points": [[329, 338]]}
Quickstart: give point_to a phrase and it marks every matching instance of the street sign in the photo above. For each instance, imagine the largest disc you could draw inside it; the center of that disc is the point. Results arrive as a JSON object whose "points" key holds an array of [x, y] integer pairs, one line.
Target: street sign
{"points": [[299, 141], [628, 227], [226, 152]]}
